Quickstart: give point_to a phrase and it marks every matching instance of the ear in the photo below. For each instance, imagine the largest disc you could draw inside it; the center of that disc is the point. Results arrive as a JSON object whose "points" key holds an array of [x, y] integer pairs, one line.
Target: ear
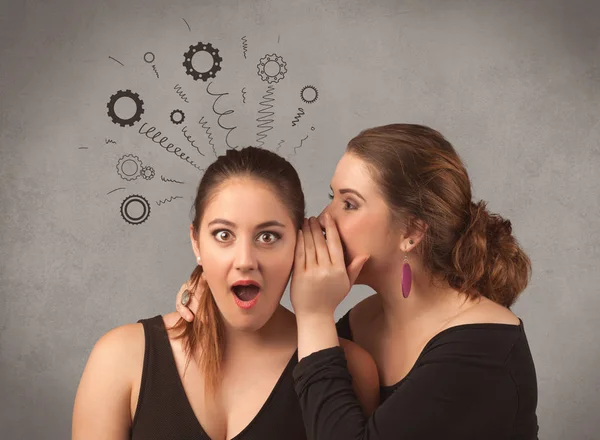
{"points": [[415, 232], [195, 245]]}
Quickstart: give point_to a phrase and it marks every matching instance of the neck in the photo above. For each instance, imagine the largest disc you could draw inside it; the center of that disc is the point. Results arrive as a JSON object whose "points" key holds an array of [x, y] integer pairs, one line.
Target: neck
{"points": [[429, 301], [277, 331]]}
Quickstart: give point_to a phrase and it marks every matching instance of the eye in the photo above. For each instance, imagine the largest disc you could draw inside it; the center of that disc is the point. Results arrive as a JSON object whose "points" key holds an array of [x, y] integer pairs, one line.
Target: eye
{"points": [[348, 206], [269, 237], [222, 235], [330, 196]]}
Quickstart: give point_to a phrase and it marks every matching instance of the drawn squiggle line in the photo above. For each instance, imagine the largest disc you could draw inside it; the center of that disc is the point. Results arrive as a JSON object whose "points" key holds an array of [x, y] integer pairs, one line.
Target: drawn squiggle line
{"points": [[265, 121], [279, 145], [170, 199], [190, 140], [114, 190], [114, 59], [109, 141], [155, 71], [298, 116], [188, 25], [295, 148], [208, 133], [164, 179], [179, 91], [244, 45], [225, 113], [244, 95]]}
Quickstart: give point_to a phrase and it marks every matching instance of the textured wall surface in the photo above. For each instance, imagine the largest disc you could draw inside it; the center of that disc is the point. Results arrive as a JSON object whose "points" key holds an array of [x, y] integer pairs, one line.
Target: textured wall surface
{"points": [[514, 85]]}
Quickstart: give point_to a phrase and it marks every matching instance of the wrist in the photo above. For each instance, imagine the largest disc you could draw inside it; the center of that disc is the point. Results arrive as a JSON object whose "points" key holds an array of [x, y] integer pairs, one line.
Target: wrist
{"points": [[316, 332]]}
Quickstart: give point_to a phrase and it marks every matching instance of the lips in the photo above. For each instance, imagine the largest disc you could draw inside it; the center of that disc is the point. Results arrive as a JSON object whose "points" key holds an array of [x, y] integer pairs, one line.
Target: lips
{"points": [[246, 292]]}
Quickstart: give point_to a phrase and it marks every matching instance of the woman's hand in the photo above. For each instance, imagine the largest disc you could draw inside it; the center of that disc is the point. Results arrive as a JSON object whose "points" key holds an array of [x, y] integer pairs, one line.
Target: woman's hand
{"points": [[187, 312], [320, 280]]}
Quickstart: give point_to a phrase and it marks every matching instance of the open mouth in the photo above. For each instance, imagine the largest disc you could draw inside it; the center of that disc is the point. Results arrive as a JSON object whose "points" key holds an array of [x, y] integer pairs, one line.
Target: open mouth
{"points": [[246, 292]]}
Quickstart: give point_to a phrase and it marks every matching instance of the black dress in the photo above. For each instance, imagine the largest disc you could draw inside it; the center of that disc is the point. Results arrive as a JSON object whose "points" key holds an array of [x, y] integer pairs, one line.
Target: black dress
{"points": [[473, 381], [164, 413]]}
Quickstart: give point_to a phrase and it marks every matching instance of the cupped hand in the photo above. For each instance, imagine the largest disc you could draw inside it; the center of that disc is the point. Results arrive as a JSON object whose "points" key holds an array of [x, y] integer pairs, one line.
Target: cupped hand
{"points": [[321, 280]]}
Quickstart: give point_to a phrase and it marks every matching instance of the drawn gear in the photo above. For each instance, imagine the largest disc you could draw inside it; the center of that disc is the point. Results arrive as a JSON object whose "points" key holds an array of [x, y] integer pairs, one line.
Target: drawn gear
{"points": [[139, 200], [309, 101], [127, 159], [201, 47], [271, 78], [139, 107], [181, 116], [148, 173]]}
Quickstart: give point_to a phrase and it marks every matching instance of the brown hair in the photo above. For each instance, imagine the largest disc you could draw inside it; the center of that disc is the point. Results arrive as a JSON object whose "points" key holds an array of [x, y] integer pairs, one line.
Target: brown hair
{"points": [[204, 337], [422, 177]]}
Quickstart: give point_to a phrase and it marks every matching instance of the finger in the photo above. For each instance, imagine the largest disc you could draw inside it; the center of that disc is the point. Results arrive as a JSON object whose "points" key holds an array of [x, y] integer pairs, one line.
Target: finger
{"points": [[309, 246], [355, 267], [334, 243], [320, 245], [300, 256]]}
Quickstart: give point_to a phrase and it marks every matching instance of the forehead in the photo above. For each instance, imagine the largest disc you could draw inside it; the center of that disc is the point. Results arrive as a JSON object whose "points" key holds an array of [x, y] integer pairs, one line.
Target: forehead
{"points": [[353, 172], [246, 201]]}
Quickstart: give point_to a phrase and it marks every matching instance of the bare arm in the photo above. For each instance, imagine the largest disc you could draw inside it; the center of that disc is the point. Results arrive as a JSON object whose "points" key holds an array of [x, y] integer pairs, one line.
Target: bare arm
{"points": [[102, 409], [365, 378]]}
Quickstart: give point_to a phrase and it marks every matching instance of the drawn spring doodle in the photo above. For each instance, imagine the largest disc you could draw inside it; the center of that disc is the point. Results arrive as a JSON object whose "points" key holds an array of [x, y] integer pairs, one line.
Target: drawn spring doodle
{"points": [[170, 199], [164, 143], [244, 45], [309, 94], [271, 68], [190, 140], [244, 95], [279, 145], [266, 119], [180, 117], [164, 179], [225, 113], [129, 167], [130, 204], [201, 47], [109, 141], [180, 93], [151, 61], [147, 173], [204, 125], [297, 117], [139, 107]]}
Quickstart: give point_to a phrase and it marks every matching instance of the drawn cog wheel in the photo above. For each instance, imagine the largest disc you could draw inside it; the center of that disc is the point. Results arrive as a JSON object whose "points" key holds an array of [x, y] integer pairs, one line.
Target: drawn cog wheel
{"points": [[306, 99], [147, 173], [139, 107], [201, 47], [269, 59], [129, 167], [181, 117], [127, 209]]}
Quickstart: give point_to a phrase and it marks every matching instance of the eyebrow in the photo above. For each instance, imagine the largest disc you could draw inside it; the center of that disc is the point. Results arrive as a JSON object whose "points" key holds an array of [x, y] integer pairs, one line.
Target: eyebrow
{"points": [[349, 190], [233, 225]]}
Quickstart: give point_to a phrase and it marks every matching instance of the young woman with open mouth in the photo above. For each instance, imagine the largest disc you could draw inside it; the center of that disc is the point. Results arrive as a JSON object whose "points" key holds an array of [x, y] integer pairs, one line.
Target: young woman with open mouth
{"points": [[227, 375]]}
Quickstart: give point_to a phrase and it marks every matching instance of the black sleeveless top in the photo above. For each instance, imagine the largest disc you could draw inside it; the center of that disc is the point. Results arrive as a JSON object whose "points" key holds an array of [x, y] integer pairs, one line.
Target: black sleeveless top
{"points": [[163, 411]]}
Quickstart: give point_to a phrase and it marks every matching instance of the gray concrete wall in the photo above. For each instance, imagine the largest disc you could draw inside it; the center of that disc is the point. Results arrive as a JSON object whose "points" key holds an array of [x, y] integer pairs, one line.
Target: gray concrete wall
{"points": [[513, 84]]}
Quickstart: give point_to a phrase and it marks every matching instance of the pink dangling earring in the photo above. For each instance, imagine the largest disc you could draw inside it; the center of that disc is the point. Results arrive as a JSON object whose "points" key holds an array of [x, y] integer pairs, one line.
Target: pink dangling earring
{"points": [[406, 276]]}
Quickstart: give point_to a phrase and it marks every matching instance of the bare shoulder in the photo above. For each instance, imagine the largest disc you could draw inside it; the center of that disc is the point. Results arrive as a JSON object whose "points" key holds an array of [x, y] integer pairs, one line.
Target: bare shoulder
{"points": [[120, 348], [365, 377], [486, 311]]}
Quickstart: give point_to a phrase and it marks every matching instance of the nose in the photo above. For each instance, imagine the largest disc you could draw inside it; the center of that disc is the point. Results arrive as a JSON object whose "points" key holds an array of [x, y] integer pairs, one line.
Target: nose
{"points": [[321, 217], [245, 258]]}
